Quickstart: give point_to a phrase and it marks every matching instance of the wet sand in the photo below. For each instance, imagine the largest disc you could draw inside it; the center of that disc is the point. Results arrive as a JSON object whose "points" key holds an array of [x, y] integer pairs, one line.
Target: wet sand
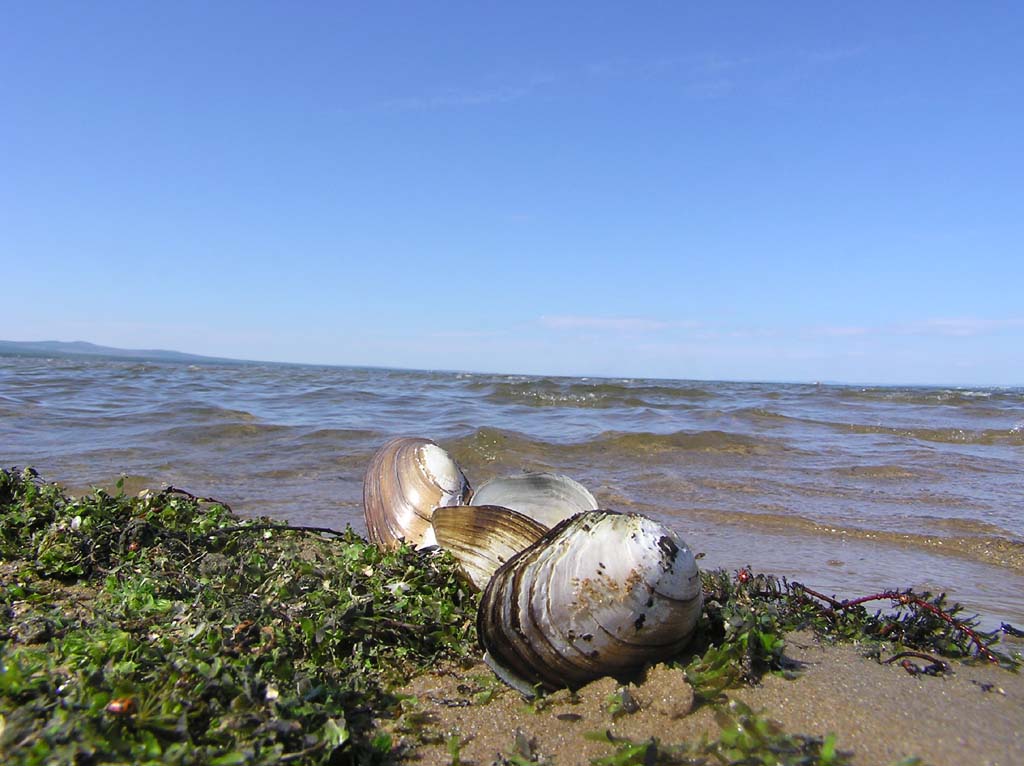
{"points": [[880, 713]]}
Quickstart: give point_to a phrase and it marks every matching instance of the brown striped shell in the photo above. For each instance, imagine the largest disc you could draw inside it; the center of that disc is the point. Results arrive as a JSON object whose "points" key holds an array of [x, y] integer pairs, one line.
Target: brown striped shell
{"points": [[483, 537], [406, 480], [600, 594]]}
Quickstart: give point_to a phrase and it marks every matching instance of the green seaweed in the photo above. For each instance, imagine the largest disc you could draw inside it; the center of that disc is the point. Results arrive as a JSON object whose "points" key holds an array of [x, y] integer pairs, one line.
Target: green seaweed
{"points": [[164, 629], [745, 738]]}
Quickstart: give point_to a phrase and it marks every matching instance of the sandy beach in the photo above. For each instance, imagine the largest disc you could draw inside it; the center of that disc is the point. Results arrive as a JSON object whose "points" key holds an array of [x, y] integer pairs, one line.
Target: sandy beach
{"points": [[878, 712]]}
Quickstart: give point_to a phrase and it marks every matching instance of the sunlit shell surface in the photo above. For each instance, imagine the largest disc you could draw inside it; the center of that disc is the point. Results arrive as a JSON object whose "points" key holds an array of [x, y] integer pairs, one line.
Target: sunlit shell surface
{"points": [[406, 480], [600, 594], [547, 497], [482, 538]]}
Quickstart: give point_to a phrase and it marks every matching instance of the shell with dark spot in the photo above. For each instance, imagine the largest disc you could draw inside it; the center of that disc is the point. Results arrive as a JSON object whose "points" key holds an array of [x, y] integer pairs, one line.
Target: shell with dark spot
{"points": [[554, 617]]}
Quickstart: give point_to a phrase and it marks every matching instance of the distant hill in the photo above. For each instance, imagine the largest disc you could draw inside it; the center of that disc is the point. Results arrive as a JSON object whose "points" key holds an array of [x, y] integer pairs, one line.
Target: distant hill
{"points": [[81, 348]]}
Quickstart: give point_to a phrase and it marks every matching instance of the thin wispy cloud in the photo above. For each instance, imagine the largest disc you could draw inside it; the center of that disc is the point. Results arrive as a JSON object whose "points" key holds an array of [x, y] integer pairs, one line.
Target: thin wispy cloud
{"points": [[702, 75], [690, 64], [790, 70], [457, 97], [463, 334], [830, 55], [954, 327], [613, 324], [851, 331], [961, 327], [639, 66], [958, 327]]}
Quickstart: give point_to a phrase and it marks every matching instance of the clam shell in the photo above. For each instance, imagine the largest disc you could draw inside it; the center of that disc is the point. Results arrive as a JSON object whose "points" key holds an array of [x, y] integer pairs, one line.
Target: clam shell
{"points": [[482, 538], [600, 594], [406, 480], [547, 497]]}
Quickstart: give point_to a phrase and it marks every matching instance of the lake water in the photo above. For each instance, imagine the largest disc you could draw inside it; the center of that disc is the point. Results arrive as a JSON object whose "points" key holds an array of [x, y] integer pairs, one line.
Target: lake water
{"points": [[849, 489]]}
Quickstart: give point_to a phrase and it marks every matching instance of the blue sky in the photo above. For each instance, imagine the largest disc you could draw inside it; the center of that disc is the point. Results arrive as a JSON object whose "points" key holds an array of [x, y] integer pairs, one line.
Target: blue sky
{"points": [[820, 191]]}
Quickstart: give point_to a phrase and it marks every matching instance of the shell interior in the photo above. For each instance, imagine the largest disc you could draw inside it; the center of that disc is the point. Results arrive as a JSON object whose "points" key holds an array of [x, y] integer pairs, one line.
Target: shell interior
{"points": [[547, 497]]}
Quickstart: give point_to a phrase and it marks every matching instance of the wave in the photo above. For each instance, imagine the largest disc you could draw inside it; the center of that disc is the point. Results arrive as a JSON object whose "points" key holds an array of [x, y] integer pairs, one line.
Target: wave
{"points": [[1013, 437], [989, 546], [626, 444], [532, 396], [933, 396], [701, 441], [762, 413], [335, 435], [546, 392], [335, 395], [488, 445], [879, 471], [197, 411], [685, 392], [223, 432], [145, 413]]}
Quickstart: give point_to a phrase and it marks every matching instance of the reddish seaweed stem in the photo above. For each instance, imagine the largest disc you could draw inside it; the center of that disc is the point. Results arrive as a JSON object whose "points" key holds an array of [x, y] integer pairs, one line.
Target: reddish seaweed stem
{"points": [[905, 599]]}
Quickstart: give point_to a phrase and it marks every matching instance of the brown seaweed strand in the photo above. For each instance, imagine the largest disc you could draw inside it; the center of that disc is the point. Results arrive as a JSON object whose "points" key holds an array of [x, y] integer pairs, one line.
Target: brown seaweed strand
{"points": [[273, 528], [247, 527], [170, 490], [905, 599]]}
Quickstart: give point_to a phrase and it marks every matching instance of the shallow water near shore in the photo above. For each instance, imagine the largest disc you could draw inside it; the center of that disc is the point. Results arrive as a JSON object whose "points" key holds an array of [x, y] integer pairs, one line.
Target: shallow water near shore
{"points": [[849, 489]]}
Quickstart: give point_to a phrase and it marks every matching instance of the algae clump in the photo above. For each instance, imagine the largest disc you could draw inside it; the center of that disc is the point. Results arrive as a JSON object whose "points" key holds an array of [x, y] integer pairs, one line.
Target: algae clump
{"points": [[164, 629]]}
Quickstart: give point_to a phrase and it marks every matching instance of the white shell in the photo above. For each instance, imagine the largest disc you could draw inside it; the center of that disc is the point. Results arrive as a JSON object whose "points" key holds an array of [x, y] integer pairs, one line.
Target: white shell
{"points": [[600, 594], [547, 497], [406, 480]]}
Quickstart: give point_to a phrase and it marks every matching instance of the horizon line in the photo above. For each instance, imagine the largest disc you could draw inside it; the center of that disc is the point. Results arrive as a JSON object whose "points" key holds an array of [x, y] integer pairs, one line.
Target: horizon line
{"points": [[207, 359]]}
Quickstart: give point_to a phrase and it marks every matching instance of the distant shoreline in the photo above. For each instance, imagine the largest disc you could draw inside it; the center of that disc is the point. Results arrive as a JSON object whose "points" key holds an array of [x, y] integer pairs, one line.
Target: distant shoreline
{"points": [[91, 350]]}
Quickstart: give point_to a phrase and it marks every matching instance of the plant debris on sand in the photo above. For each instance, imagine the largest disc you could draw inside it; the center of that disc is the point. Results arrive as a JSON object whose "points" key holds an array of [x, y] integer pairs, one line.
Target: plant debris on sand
{"points": [[164, 629]]}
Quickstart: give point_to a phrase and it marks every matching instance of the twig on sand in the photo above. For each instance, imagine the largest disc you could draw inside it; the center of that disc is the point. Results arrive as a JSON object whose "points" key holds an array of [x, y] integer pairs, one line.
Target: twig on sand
{"points": [[937, 666]]}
